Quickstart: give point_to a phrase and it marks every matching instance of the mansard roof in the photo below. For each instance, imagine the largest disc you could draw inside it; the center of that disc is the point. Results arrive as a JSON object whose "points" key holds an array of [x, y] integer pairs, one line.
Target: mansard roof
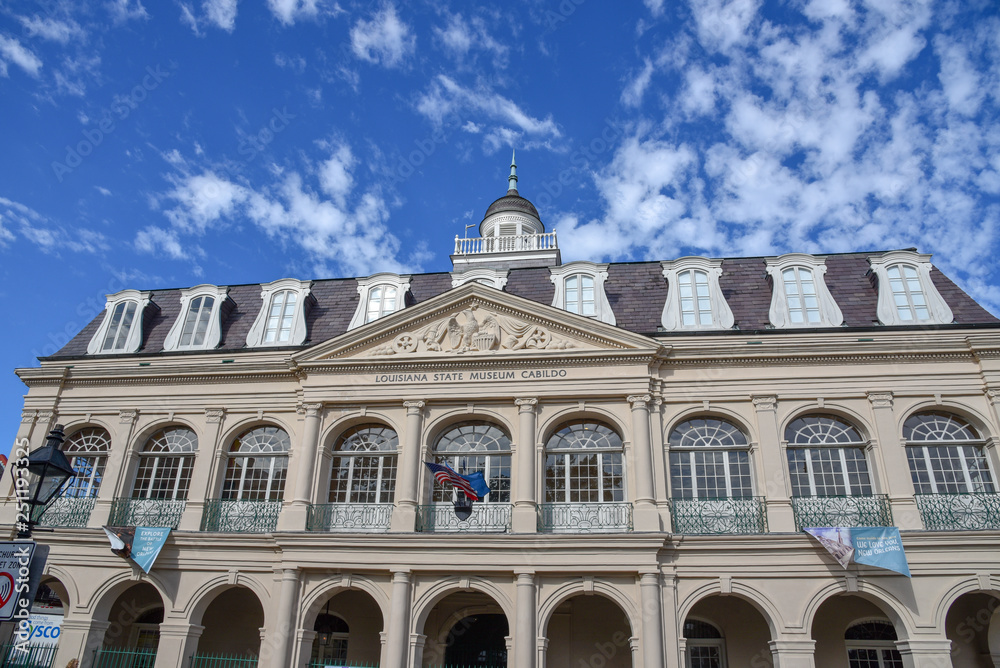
{"points": [[636, 291]]}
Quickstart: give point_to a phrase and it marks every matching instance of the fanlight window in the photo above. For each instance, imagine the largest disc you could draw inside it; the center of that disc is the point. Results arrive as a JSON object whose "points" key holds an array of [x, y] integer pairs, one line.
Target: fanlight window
{"points": [[826, 457], [583, 464], [364, 466], [196, 323], [709, 459], [705, 646], [945, 455], [87, 451], [280, 317], [580, 294], [872, 644], [381, 301], [258, 465], [476, 446], [165, 465]]}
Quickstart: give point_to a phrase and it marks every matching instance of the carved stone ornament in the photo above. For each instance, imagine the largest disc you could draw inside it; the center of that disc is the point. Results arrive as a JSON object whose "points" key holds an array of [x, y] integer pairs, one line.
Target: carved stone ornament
{"points": [[27, 417], [473, 330], [214, 415], [880, 399], [639, 401], [127, 417], [765, 403], [993, 396]]}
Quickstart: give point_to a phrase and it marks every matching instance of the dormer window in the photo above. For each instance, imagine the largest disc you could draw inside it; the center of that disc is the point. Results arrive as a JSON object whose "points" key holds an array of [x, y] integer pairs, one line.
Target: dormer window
{"points": [[199, 325], [494, 278], [799, 296], [694, 298], [580, 290], [906, 293], [282, 318], [121, 331], [381, 295]]}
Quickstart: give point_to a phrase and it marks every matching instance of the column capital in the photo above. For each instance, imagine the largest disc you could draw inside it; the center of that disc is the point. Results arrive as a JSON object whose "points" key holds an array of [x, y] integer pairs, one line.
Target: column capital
{"points": [[525, 405], [639, 401], [525, 577], [215, 415], [767, 402], [309, 410], [413, 407], [649, 578], [880, 399], [402, 576]]}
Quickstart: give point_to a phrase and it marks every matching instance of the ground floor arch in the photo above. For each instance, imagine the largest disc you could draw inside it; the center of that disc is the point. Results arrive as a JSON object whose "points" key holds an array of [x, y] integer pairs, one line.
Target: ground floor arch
{"points": [[348, 629], [466, 628], [590, 630], [852, 631], [232, 623], [134, 621], [725, 632], [973, 627]]}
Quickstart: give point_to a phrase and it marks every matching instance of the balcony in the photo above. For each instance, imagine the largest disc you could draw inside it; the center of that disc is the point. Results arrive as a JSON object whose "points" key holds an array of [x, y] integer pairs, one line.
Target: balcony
{"points": [[234, 516], [959, 512], [585, 517], [504, 244], [842, 511], [485, 518], [349, 517], [747, 515], [147, 512], [66, 512]]}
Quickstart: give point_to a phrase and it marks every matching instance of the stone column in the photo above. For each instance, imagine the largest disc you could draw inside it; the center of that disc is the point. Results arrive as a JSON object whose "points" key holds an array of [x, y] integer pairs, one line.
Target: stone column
{"points": [[79, 639], [399, 620], [543, 648], [920, 653], [178, 641], [293, 516], [276, 643], [404, 515], [668, 603], [893, 463], [525, 517], [303, 647], [652, 620], [206, 463], [525, 638], [646, 517], [780, 517], [799, 653], [417, 642]]}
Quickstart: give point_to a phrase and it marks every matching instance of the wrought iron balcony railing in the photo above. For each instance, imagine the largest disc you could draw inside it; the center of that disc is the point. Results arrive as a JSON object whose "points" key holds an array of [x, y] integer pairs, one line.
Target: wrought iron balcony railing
{"points": [[719, 516], [842, 511], [234, 516], [349, 517], [66, 512], [959, 512], [516, 242], [147, 512], [485, 518], [585, 517]]}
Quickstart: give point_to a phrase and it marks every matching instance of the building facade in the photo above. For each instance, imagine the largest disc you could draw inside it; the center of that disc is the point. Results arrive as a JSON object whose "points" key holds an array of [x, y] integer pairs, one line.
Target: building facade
{"points": [[655, 436]]}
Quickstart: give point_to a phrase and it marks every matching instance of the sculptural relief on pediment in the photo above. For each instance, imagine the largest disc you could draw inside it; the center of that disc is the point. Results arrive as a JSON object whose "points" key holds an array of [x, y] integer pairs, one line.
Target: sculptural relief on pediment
{"points": [[473, 330]]}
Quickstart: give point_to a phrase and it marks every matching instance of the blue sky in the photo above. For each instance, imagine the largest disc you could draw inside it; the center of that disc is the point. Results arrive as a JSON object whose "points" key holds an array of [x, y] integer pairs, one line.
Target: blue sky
{"points": [[172, 143]]}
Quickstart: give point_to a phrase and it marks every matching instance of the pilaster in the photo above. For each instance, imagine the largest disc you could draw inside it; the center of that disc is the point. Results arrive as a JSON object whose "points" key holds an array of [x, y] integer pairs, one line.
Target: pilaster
{"points": [[178, 641], [646, 517], [895, 468], [525, 514], [404, 515], [793, 653], [780, 517], [293, 516], [921, 653], [208, 460]]}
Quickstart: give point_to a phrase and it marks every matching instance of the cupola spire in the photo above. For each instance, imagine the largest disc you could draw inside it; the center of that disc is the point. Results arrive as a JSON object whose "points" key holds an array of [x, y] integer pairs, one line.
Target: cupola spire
{"points": [[512, 179]]}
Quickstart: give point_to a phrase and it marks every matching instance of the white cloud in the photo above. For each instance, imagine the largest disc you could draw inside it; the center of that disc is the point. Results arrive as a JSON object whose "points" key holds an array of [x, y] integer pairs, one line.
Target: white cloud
{"points": [[295, 63], [12, 51], [384, 39], [289, 11], [51, 29], [103, 191], [18, 220], [222, 13], [632, 95], [959, 79], [655, 6], [460, 37], [724, 24], [155, 240], [126, 10], [203, 199]]}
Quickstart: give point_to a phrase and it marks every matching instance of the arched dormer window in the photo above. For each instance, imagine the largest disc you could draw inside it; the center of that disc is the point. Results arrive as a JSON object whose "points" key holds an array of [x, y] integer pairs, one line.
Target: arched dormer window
{"points": [[580, 290], [694, 298], [282, 317], [826, 457], [199, 324], [799, 296], [906, 292], [121, 330], [258, 465], [381, 295]]}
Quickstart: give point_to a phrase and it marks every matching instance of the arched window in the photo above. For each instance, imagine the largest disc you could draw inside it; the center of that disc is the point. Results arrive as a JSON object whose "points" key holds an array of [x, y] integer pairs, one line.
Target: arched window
{"points": [[165, 465], [258, 465], [583, 464], [705, 646], [87, 451], [476, 446], [695, 302], [872, 644], [907, 293], [709, 459], [580, 294], [381, 301], [826, 457], [364, 465], [945, 455], [280, 317]]}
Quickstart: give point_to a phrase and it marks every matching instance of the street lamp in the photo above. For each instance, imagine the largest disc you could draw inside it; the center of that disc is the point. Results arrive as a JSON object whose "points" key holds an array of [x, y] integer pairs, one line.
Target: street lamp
{"points": [[48, 471]]}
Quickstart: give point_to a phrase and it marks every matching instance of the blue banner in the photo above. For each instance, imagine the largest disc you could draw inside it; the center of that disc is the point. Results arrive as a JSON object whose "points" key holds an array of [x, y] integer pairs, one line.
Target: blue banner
{"points": [[147, 545], [880, 546]]}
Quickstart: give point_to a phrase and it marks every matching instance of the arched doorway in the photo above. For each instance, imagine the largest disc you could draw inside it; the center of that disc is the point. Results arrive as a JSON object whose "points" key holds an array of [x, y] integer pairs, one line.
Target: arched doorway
{"points": [[853, 632], [232, 622], [133, 634], [466, 629], [723, 631], [973, 627], [348, 630], [589, 630]]}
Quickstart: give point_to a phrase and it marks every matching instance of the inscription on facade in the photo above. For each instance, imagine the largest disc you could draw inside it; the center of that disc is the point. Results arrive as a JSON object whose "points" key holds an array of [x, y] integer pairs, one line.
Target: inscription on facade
{"points": [[469, 376]]}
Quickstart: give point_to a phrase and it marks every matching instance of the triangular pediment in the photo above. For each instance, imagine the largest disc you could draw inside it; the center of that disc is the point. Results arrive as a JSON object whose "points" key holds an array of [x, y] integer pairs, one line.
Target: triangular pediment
{"points": [[476, 320]]}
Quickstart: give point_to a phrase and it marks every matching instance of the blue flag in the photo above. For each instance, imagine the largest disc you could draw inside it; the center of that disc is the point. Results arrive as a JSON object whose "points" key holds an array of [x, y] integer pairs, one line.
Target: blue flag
{"points": [[478, 483], [147, 545]]}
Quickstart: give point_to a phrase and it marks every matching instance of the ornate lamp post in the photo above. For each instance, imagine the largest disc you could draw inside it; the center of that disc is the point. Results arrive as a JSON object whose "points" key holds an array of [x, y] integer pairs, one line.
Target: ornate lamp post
{"points": [[48, 472]]}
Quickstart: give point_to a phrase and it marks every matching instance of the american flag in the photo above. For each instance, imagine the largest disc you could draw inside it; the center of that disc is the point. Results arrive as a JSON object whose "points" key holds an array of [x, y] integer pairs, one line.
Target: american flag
{"points": [[446, 476]]}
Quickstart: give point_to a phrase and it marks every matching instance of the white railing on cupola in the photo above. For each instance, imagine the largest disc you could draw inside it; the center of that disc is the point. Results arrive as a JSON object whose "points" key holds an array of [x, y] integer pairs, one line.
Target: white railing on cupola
{"points": [[518, 242]]}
